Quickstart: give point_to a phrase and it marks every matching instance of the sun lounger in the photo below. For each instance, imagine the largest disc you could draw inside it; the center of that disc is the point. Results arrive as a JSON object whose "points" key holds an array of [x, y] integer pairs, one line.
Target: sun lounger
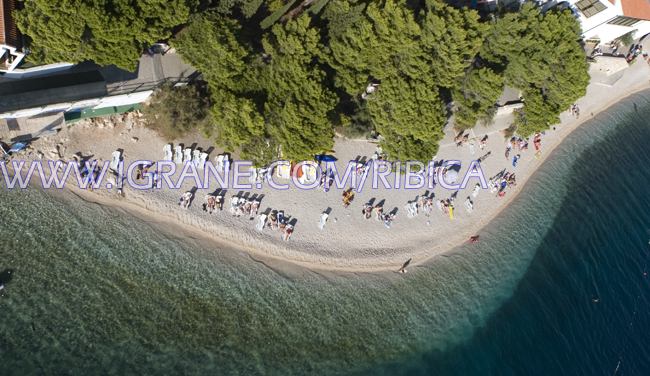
{"points": [[187, 155], [196, 154], [323, 220], [202, 158], [308, 173], [283, 170], [469, 205], [261, 222], [167, 152], [178, 154], [477, 189], [218, 162], [115, 160]]}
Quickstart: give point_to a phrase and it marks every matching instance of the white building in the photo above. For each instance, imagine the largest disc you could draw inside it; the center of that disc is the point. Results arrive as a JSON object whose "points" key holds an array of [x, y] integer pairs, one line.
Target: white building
{"points": [[606, 20], [10, 40]]}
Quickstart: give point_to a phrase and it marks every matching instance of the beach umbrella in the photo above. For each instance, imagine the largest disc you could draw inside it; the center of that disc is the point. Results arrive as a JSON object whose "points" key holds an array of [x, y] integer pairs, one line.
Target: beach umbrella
{"points": [[451, 176], [325, 158]]}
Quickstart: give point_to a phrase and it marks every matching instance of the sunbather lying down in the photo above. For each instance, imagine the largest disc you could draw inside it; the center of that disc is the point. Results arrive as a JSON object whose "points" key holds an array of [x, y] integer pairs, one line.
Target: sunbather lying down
{"points": [[348, 196], [242, 206], [186, 199]]}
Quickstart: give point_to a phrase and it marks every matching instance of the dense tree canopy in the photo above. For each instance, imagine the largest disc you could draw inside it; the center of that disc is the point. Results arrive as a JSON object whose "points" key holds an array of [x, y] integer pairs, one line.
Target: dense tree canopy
{"points": [[283, 74], [275, 99], [104, 31], [414, 55], [476, 96], [297, 101], [174, 111], [542, 56]]}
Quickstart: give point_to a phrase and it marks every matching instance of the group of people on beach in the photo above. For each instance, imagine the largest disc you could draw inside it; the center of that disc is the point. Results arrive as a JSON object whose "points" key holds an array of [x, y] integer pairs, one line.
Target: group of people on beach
{"points": [[276, 220], [501, 181], [212, 203], [244, 206], [463, 139], [517, 144], [369, 209], [422, 204]]}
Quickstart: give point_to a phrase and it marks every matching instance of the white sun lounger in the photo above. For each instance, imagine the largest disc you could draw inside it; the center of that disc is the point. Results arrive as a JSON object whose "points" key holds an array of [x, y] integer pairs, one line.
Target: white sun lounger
{"points": [[202, 158], [323, 220], [167, 151], [477, 189], [261, 222], [195, 157], [221, 161], [115, 160], [226, 160], [218, 162], [187, 155], [178, 154], [469, 205]]}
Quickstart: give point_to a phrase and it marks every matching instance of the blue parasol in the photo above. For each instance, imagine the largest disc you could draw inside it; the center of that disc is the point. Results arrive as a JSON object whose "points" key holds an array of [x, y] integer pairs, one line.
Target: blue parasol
{"points": [[325, 158]]}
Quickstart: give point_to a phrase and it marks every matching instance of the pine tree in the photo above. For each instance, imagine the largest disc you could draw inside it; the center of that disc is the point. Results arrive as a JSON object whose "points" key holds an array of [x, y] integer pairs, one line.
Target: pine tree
{"points": [[476, 96], [106, 32], [298, 101], [543, 57]]}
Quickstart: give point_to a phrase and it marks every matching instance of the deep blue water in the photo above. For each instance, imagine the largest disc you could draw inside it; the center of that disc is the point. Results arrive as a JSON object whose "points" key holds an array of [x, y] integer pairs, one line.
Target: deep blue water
{"points": [[97, 291], [583, 305]]}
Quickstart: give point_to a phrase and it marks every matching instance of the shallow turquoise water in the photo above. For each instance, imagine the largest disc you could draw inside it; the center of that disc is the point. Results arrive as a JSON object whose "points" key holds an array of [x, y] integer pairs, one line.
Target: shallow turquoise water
{"points": [[98, 291]]}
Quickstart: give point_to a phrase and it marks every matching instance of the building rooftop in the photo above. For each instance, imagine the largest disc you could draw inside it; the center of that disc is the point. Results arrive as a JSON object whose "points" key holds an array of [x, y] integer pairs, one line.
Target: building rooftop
{"points": [[43, 91], [9, 34], [636, 9]]}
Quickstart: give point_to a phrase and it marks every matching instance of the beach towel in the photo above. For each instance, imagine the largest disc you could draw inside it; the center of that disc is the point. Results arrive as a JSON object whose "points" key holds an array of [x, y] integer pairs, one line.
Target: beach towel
{"points": [[115, 160], [178, 154], [308, 173], [167, 152]]}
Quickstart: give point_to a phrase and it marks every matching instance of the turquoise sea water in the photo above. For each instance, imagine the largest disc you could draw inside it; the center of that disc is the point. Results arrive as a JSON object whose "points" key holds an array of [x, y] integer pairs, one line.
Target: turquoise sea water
{"points": [[97, 291]]}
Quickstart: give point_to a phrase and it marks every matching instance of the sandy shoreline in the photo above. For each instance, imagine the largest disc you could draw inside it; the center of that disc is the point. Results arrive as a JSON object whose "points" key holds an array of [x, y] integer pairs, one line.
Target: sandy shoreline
{"points": [[349, 242]]}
